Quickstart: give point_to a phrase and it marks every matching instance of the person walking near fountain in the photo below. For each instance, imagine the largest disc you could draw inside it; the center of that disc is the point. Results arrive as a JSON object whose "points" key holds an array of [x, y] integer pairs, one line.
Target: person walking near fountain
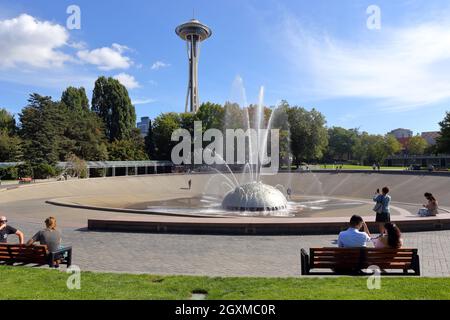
{"points": [[288, 193], [382, 208], [190, 184]]}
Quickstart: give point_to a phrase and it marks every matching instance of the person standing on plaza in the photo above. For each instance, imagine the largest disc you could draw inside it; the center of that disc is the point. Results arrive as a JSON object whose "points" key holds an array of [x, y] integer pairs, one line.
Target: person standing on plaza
{"points": [[382, 208]]}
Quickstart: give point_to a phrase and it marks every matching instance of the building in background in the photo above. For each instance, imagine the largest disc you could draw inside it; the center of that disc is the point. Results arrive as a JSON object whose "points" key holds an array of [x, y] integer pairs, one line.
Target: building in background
{"points": [[144, 125], [403, 136], [401, 133], [431, 137]]}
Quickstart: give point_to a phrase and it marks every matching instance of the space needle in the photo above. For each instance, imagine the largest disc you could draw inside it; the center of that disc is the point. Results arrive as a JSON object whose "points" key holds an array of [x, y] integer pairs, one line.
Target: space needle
{"points": [[193, 32]]}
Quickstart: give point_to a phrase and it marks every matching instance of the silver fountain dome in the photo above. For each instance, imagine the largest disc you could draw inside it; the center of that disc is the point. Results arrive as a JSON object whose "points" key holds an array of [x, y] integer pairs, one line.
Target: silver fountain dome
{"points": [[254, 196]]}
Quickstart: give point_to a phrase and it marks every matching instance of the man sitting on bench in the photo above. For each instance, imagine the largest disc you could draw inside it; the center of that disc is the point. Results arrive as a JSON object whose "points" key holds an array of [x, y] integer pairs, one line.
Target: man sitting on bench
{"points": [[352, 237], [6, 230]]}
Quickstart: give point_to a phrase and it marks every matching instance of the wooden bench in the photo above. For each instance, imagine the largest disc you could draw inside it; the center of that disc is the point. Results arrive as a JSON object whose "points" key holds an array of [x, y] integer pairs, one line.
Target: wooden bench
{"points": [[38, 255], [26, 180], [353, 260]]}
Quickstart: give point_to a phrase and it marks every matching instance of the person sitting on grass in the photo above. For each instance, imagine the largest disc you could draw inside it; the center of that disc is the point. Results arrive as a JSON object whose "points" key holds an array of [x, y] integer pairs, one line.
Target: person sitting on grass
{"points": [[392, 238], [6, 230], [48, 236], [353, 237]]}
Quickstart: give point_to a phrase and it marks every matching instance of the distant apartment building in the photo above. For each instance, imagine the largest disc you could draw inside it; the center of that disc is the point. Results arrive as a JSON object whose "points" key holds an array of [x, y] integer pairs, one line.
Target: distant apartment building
{"points": [[144, 125], [401, 133], [431, 137], [403, 136]]}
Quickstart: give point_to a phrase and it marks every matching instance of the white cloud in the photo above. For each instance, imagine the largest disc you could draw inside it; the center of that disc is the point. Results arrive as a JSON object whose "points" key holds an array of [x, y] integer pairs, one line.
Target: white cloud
{"points": [[107, 58], [143, 101], [159, 65], [81, 45], [127, 80], [25, 40], [403, 68]]}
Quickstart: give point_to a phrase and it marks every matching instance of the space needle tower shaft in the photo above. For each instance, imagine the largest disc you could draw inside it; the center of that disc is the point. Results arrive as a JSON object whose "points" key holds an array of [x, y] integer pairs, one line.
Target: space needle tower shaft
{"points": [[193, 32]]}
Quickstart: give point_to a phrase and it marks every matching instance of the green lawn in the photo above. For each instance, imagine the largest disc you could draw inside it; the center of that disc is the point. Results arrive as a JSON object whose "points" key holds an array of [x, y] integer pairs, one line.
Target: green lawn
{"points": [[30, 283]]}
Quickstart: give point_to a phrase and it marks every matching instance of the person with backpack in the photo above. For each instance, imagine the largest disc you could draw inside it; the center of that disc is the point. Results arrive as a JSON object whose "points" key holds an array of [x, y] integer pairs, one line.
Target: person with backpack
{"points": [[382, 209]]}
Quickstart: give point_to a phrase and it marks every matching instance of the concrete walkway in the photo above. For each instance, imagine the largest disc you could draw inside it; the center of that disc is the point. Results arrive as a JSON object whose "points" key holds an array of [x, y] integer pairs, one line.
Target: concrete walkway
{"points": [[272, 256]]}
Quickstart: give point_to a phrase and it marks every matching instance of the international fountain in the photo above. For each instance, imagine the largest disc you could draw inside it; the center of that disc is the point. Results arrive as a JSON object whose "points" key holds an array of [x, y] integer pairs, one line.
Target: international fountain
{"points": [[245, 193]]}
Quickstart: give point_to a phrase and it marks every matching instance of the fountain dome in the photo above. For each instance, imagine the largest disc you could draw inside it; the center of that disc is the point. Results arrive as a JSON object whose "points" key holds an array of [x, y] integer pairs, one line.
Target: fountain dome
{"points": [[254, 196]]}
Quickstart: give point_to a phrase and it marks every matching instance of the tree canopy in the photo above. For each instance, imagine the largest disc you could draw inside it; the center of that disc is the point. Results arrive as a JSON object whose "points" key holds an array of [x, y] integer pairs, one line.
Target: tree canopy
{"points": [[112, 104]]}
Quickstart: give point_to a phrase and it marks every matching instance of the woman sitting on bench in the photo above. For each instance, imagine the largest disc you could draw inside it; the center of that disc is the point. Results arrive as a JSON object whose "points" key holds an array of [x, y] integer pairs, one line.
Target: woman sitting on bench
{"points": [[392, 238]]}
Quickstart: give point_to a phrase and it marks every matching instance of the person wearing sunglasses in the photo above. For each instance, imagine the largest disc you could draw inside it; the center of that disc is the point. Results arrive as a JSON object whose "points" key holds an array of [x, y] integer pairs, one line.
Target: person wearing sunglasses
{"points": [[6, 230]]}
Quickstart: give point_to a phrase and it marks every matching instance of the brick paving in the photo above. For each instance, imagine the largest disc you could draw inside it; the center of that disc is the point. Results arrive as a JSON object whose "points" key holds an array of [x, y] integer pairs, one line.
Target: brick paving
{"points": [[272, 256]]}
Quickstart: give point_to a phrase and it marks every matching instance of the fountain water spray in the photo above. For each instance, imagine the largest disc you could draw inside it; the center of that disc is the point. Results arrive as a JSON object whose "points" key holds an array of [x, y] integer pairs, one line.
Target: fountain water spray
{"points": [[255, 195]]}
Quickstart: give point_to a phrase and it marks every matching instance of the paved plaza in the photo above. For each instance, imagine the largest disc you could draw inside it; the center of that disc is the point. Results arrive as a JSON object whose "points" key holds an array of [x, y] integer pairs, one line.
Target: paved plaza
{"points": [[273, 256]]}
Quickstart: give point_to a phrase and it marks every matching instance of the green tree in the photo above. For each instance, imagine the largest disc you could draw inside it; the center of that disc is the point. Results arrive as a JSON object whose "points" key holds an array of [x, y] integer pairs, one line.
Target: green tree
{"points": [[309, 137], [10, 148], [163, 126], [340, 143], [7, 122], [75, 99], [43, 123], [150, 142], [417, 145], [84, 134], [392, 145], [233, 116], [443, 142], [10, 143], [211, 115], [132, 149], [112, 104]]}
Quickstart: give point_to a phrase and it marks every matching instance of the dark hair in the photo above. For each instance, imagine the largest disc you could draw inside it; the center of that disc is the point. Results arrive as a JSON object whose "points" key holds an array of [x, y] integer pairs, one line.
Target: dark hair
{"points": [[394, 235], [355, 220], [429, 196], [385, 190]]}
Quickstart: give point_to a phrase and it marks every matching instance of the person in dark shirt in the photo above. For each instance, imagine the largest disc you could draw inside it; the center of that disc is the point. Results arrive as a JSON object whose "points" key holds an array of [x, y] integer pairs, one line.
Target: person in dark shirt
{"points": [[6, 230], [48, 236]]}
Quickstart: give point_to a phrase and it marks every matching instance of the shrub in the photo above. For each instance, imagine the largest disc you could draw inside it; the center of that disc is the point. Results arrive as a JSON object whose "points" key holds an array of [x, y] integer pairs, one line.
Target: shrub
{"points": [[44, 171]]}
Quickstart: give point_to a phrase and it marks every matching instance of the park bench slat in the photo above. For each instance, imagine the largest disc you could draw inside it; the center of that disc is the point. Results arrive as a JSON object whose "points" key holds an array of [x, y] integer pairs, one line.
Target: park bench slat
{"points": [[12, 253], [360, 258]]}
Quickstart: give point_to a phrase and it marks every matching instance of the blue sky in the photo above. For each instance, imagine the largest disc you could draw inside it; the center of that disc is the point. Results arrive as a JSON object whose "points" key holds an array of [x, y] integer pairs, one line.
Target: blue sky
{"points": [[311, 53]]}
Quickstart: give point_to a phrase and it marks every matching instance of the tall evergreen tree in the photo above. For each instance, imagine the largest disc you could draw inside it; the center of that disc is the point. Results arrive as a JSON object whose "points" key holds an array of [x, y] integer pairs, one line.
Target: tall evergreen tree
{"points": [[112, 104], [150, 142], [85, 131], [443, 142], [43, 123], [10, 143], [75, 99]]}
